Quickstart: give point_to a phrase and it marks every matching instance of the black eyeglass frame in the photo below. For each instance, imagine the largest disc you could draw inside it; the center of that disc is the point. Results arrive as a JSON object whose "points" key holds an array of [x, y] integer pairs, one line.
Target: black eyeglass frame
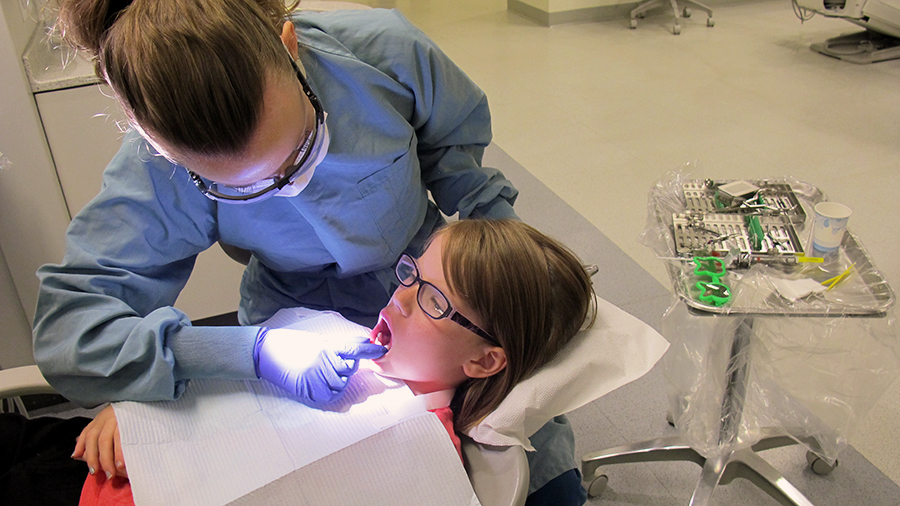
{"points": [[450, 312], [290, 175]]}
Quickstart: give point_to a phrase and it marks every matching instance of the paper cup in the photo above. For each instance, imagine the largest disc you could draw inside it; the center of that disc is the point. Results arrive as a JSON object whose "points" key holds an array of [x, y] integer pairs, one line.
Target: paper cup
{"points": [[831, 222]]}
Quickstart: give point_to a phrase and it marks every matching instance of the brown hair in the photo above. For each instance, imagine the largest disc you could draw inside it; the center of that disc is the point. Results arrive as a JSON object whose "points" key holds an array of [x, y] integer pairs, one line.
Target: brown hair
{"points": [[191, 73], [532, 293]]}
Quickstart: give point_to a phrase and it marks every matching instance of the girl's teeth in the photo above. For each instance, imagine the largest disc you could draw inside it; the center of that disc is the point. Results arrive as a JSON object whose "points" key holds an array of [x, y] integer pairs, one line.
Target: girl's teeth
{"points": [[380, 339]]}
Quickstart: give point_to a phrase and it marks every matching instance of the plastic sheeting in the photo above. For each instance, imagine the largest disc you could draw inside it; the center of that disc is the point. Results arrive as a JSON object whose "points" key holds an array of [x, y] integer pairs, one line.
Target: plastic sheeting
{"points": [[784, 354]]}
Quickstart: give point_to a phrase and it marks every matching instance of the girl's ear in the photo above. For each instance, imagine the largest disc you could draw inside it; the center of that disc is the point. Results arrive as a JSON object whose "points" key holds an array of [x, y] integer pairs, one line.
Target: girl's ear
{"points": [[289, 38], [492, 361]]}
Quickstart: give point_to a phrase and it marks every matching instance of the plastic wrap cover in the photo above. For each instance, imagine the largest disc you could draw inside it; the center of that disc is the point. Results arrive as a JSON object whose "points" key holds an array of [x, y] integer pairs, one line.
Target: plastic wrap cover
{"points": [[812, 379], [770, 362]]}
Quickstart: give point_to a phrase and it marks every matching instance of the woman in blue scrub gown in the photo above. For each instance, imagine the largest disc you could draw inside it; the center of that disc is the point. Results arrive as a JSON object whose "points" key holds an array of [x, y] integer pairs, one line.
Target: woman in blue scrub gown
{"points": [[324, 159]]}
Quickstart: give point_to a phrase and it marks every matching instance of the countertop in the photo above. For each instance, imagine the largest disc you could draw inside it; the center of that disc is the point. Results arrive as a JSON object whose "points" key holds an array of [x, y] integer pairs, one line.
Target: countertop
{"points": [[51, 64]]}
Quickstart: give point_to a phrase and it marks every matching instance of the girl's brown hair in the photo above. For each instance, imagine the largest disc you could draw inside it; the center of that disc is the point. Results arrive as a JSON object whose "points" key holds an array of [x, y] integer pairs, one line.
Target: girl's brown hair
{"points": [[190, 73], [532, 294]]}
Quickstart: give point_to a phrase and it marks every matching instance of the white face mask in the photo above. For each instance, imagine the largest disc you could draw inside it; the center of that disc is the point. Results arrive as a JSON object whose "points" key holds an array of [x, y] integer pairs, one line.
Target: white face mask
{"points": [[302, 181]]}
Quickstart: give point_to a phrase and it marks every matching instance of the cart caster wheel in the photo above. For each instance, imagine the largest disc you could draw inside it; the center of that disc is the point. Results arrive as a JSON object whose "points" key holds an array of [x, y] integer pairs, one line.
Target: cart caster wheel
{"points": [[676, 29], [687, 12], [710, 22], [633, 23], [597, 485], [819, 465]]}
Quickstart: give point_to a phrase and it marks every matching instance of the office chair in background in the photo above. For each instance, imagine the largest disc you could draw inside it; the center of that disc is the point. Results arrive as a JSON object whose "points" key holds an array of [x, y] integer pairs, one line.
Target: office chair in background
{"points": [[639, 11]]}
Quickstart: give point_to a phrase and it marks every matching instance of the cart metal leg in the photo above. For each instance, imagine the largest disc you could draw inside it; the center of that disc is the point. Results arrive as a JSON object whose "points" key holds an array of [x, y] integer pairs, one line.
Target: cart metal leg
{"points": [[743, 463], [729, 464]]}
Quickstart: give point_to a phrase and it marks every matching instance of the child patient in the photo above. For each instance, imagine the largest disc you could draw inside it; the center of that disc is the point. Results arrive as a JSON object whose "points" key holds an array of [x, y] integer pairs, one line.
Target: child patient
{"points": [[485, 306]]}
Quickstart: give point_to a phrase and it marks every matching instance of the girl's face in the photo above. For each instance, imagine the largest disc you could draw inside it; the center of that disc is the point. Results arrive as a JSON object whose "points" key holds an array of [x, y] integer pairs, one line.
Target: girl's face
{"points": [[428, 354]]}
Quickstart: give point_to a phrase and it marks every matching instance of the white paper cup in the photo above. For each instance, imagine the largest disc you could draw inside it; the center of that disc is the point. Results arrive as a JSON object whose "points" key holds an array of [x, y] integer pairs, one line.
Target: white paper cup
{"points": [[831, 222]]}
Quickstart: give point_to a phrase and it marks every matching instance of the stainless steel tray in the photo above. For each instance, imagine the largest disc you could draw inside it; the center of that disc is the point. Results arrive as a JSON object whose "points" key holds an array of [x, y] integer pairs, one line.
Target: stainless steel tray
{"points": [[871, 295], [865, 294], [777, 196], [717, 232]]}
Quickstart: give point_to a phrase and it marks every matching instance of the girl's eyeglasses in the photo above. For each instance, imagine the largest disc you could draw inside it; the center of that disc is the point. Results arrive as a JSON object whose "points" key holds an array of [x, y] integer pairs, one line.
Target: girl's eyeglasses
{"points": [[432, 301]]}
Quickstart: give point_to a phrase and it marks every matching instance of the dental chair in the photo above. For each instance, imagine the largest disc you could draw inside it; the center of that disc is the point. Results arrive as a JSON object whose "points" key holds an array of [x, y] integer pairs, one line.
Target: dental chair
{"points": [[881, 19], [21, 381], [499, 474]]}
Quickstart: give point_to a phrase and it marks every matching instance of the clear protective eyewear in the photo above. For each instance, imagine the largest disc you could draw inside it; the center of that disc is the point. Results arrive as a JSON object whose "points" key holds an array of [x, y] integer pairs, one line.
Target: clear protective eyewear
{"points": [[432, 301], [303, 163]]}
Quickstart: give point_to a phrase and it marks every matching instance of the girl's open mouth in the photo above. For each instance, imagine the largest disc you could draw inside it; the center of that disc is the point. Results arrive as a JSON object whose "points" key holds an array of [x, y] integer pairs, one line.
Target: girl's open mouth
{"points": [[381, 334]]}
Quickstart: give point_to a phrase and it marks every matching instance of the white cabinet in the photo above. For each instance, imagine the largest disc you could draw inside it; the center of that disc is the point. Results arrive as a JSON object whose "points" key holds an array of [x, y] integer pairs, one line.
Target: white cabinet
{"points": [[15, 334], [33, 216], [81, 128]]}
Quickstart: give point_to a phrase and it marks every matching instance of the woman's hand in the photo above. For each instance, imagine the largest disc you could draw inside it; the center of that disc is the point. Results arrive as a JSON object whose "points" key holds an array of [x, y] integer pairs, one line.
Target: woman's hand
{"points": [[100, 446], [313, 370]]}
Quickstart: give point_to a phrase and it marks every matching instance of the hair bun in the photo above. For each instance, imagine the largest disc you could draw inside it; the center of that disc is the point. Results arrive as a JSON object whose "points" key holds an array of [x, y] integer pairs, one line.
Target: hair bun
{"points": [[84, 23]]}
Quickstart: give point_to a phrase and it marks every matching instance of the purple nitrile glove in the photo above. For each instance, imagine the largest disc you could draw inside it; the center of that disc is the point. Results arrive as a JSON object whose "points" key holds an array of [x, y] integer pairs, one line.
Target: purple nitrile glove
{"points": [[313, 370]]}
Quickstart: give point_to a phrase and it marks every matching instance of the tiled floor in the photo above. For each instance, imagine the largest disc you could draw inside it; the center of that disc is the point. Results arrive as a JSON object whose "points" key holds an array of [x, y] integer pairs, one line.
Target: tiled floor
{"points": [[598, 112]]}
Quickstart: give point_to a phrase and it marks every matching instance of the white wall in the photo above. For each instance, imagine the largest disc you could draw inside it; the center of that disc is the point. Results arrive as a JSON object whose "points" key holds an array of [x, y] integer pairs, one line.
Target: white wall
{"points": [[556, 12], [570, 5], [33, 215], [15, 333]]}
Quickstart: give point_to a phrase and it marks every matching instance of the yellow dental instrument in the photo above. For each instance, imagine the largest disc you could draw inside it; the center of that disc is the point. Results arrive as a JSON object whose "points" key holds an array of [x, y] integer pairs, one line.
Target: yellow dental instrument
{"points": [[832, 282]]}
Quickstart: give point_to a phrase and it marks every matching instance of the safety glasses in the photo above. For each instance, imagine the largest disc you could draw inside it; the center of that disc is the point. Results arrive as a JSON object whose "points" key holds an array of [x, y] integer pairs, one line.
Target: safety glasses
{"points": [[308, 153], [432, 301]]}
